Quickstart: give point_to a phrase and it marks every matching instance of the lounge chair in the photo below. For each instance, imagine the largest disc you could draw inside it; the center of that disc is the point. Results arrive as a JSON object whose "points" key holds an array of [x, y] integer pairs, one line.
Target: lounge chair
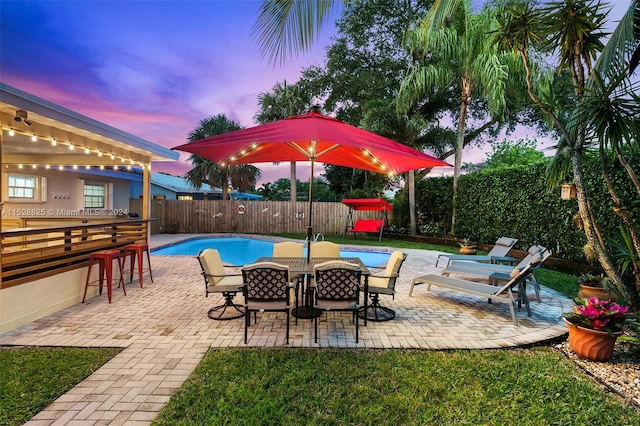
{"points": [[497, 253], [489, 270], [504, 294], [217, 280]]}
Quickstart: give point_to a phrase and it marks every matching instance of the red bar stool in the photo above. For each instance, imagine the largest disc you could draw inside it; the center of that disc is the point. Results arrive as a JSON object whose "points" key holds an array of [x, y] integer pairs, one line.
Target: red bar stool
{"points": [[136, 251], [104, 259]]}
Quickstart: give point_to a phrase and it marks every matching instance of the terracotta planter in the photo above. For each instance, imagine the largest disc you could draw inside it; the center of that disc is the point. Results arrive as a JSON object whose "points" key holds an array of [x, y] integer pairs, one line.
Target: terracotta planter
{"points": [[467, 250], [590, 344], [587, 292]]}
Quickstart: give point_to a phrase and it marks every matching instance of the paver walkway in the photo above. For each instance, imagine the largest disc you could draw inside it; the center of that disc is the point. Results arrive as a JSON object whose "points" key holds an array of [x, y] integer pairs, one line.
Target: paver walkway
{"points": [[165, 331]]}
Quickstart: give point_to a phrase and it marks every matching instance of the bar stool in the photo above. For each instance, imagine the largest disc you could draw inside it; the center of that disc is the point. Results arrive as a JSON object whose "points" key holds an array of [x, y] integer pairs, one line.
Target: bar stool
{"points": [[104, 259], [136, 251]]}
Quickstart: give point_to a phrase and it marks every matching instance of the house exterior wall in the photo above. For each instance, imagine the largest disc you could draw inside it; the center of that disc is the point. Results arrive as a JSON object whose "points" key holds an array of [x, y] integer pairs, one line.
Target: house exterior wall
{"points": [[64, 194]]}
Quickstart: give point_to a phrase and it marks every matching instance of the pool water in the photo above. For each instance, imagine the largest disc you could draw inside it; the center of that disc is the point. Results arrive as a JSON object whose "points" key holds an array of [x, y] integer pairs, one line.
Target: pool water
{"points": [[243, 251]]}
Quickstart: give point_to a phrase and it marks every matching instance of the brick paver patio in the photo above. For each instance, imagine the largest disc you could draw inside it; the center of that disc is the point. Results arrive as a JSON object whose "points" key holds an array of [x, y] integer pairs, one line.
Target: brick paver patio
{"points": [[165, 331]]}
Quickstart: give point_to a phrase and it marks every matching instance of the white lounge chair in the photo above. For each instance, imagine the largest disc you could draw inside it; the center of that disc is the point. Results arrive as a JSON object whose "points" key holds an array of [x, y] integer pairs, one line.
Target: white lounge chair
{"points": [[504, 294], [496, 273], [497, 253]]}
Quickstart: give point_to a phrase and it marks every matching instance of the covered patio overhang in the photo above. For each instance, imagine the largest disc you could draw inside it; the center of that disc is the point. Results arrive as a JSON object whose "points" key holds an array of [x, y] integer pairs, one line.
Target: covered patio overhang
{"points": [[43, 255]]}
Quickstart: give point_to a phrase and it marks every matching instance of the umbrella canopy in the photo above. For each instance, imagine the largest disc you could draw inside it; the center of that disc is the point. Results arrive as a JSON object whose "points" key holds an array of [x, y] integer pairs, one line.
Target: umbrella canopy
{"points": [[312, 137]]}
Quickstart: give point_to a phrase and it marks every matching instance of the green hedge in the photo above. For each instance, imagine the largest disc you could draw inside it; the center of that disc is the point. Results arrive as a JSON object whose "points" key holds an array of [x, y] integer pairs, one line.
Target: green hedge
{"points": [[515, 202]]}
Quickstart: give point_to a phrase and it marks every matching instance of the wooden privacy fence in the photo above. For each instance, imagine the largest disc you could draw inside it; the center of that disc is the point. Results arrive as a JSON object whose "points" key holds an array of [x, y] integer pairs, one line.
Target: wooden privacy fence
{"points": [[246, 217]]}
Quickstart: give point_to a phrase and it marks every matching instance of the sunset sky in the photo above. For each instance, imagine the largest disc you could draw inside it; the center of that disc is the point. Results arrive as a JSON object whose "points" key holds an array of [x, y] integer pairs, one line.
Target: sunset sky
{"points": [[150, 68]]}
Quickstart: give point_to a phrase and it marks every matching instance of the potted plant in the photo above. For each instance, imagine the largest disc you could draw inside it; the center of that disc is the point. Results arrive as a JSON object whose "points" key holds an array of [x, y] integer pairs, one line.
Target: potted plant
{"points": [[594, 325], [466, 247], [595, 286]]}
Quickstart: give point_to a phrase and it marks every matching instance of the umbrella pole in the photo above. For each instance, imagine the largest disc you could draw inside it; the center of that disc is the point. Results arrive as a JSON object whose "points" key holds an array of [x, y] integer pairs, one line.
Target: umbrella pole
{"points": [[309, 226]]}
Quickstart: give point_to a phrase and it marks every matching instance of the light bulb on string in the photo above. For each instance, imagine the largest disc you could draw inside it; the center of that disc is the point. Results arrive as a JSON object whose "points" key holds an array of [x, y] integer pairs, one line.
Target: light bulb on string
{"points": [[11, 132], [86, 150], [53, 141], [34, 138]]}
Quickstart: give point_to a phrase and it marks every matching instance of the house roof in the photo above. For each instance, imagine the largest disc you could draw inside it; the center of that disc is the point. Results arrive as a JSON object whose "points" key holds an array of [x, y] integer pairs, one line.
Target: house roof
{"points": [[179, 184], [48, 120]]}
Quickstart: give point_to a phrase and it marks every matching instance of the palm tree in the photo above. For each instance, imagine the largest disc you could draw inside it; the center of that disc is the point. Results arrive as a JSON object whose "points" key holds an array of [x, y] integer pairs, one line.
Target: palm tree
{"points": [[284, 101], [606, 107], [243, 177], [459, 55]]}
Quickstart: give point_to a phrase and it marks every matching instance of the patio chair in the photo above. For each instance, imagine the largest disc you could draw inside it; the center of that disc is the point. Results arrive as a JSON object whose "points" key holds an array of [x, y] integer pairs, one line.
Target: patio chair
{"points": [[486, 270], [325, 249], [288, 249], [504, 294], [217, 280], [497, 253], [291, 249], [266, 289], [337, 289], [383, 284]]}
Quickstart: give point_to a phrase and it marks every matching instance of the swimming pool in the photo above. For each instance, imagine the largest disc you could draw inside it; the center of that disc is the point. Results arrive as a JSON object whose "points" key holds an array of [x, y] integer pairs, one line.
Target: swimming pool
{"points": [[242, 251]]}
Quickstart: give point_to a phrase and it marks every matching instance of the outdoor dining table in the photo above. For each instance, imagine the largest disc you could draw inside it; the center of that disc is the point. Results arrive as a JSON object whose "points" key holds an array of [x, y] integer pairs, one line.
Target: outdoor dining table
{"points": [[303, 266]]}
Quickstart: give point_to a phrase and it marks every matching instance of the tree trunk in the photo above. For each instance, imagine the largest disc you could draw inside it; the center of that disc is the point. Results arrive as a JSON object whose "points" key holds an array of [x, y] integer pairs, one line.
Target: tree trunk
{"points": [[411, 189], [465, 97], [590, 231]]}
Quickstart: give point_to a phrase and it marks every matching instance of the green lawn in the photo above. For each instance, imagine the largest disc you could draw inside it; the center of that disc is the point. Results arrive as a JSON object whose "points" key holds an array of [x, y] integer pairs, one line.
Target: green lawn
{"points": [[32, 378], [257, 386]]}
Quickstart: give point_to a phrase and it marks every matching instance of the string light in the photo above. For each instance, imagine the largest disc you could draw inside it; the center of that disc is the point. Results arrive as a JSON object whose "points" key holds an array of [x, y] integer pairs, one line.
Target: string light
{"points": [[75, 167], [54, 142], [87, 167]]}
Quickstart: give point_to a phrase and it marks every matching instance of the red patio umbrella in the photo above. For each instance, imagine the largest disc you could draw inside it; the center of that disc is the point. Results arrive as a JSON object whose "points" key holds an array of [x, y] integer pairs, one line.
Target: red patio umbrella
{"points": [[312, 137]]}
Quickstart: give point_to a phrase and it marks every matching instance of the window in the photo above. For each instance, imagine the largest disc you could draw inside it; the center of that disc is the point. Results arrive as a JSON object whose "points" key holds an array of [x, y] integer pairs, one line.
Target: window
{"points": [[25, 188], [185, 197], [94, 196], [22, 187]]}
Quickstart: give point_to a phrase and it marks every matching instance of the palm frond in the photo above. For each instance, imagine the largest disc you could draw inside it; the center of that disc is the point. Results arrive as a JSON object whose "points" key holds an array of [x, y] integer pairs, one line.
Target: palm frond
{"points": [[289, 27], [625, 36]]}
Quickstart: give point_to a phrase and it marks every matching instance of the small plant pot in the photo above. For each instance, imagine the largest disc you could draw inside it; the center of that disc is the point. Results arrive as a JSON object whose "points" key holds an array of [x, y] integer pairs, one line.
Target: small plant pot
{"points": [[467, 250], [587, 292], [590, 344]]}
